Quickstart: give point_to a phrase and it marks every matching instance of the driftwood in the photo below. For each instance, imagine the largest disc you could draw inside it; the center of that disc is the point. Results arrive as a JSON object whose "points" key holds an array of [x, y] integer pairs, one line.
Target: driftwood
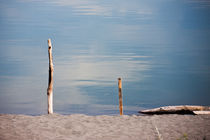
{"points": [[201, 112], [183, 109], [50, 82]]}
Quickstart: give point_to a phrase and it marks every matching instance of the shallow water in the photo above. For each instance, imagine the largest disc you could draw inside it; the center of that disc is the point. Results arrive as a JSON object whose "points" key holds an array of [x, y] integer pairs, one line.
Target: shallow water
{"points": [[160, 49]]}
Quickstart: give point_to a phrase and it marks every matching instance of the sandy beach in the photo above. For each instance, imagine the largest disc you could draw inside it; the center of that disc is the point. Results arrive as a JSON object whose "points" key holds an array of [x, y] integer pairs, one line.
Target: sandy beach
{"points": [[83, 127]]}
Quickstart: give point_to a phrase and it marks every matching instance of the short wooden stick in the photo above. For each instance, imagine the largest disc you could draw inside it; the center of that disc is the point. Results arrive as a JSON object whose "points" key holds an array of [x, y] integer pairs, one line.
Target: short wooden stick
{"points": [[120, 96], [50, 82]]}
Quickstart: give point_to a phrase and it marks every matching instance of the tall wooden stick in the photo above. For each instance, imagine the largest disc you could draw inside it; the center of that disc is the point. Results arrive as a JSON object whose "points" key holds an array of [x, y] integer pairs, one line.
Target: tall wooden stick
{"points": [[120, 96], [50, 82]]}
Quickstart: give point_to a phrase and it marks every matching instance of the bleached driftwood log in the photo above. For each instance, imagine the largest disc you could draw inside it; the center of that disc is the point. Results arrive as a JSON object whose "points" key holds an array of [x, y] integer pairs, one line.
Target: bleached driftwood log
{"points": [[182, 109], [201, 112], [50, 83]]}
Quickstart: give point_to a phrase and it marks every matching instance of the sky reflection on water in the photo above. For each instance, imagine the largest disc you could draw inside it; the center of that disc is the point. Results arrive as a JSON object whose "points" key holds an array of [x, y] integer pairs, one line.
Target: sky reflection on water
{"points": [[160, 48]]}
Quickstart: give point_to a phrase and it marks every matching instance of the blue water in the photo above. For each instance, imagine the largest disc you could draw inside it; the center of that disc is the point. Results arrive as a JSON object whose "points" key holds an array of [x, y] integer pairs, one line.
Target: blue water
{"points": [[159, 48]]}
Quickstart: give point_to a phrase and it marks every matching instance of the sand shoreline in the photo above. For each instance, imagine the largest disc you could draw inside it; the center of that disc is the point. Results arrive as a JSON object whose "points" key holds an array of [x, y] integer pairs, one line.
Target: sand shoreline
{"points": [[83, 127]]}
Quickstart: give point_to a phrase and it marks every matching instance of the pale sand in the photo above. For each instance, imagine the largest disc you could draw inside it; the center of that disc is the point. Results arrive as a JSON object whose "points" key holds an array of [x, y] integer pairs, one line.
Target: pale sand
{"points": [[83, 127]]}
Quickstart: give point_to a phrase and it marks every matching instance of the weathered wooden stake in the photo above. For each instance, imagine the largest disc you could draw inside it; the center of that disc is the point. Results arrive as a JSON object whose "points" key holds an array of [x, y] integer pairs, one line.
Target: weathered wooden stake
{"points": [[120, 96], [50, 82]]}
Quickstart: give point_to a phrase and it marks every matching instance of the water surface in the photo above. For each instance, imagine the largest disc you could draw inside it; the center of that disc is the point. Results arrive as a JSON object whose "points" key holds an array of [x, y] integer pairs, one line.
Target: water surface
{"points": [[159, 48]]}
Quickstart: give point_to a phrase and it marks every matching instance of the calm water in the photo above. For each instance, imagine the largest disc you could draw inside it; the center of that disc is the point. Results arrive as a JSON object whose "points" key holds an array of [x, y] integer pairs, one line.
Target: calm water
{"points": [[159, 48]]}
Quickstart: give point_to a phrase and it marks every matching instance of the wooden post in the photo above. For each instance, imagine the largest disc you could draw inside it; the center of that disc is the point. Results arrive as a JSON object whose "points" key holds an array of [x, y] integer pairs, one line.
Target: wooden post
{"points": [[50, 82], [120, 96]]}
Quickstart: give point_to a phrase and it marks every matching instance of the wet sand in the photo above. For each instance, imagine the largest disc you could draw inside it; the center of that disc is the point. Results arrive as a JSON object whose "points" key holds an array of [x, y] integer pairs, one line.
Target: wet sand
{"points": [[83, 127]]}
